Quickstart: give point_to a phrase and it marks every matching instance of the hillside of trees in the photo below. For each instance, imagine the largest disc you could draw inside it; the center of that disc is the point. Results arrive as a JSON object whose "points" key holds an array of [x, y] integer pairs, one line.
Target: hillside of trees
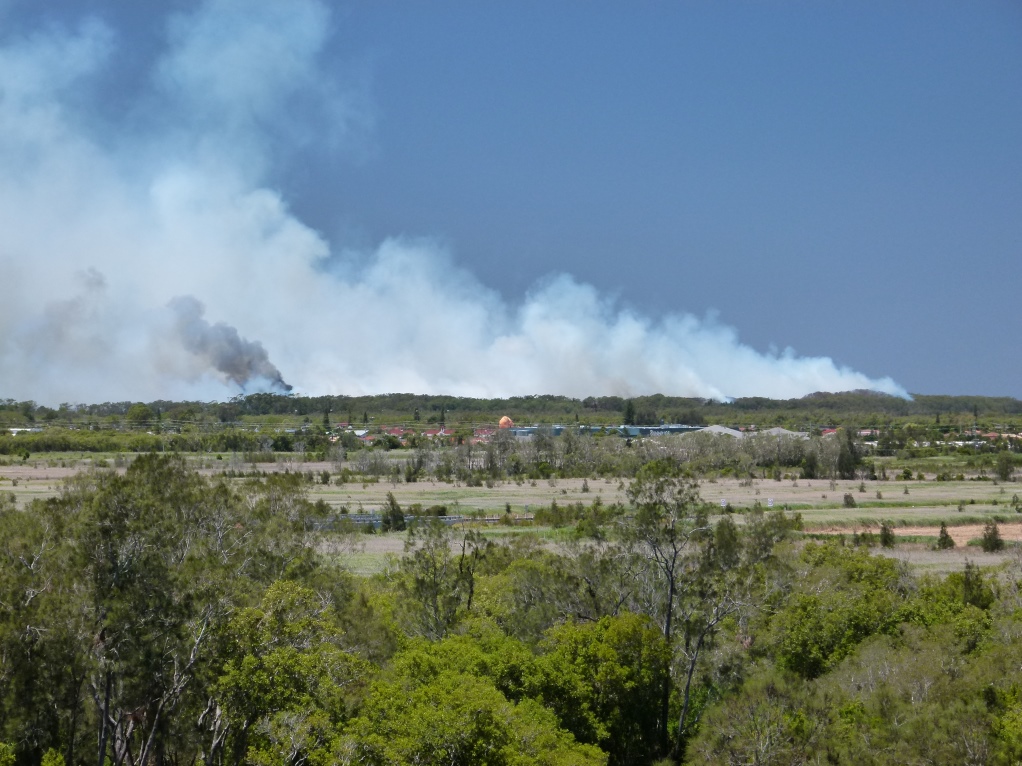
{"points": [[159, 616]]}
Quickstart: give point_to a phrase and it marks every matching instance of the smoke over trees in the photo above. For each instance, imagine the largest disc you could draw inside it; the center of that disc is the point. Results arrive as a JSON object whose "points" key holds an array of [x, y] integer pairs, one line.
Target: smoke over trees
{"points": [[238, 360]]}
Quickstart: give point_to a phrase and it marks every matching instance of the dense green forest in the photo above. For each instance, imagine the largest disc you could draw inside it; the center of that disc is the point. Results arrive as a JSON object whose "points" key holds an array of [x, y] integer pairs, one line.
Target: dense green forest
{"points": [[860, 408], [159, 616]]}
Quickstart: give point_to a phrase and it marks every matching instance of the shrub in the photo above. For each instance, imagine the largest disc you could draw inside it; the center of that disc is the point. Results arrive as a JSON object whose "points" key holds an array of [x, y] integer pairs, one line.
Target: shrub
{"points": [[866, 539], [991, 542], [944, 540], [393, 516], [849, 500], [887, 538], [1004, 466]]}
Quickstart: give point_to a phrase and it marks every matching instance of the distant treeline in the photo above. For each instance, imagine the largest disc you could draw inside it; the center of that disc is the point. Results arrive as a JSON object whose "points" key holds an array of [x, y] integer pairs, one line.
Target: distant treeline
{"points": [[227, 440], [857, 408]]}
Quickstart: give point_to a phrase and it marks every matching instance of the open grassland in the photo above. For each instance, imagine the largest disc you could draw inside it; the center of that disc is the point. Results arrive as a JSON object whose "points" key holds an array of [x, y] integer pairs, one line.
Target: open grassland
{"points": [[927, 503], [906, 504], [522, 497], [915, 515], [42, 478], [923, 558]]}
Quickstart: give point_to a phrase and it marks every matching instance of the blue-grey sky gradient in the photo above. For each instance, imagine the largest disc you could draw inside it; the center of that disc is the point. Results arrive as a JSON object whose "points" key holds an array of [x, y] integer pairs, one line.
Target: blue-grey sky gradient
{"points": [[844, 179]]}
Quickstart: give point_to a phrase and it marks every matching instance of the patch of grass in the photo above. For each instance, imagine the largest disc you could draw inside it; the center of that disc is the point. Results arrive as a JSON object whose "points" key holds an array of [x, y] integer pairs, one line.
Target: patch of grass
{"points": [[921, 539], [366, 564], [977, 542], [547, 534]]}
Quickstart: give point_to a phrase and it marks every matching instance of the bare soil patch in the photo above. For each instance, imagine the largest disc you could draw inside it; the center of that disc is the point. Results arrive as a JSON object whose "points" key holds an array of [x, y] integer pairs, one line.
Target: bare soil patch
{"points": [[962, 534]]}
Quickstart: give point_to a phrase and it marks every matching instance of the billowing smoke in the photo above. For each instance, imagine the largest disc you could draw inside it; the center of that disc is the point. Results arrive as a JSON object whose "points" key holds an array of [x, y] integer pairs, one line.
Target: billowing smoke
{"points": [[102, 225], [243, 362]]}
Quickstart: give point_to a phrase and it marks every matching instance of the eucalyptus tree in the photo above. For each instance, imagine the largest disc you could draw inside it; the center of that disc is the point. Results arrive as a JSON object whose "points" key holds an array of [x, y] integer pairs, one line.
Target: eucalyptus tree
{"points": [[691, 576], [115, 592], [439, 576], [666, 533], [286, 683]]}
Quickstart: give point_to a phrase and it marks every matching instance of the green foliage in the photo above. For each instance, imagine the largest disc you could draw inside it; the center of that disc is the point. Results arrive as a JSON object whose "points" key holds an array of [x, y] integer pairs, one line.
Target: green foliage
{"points": [[1004, 465], [991, 541], [285, 666], [140, 416], [601, 680], [774, 722], [908, 697], [960, 602], [128, 578], [604, 682], [438, 586], [849, 456], [537, 590], [725, 551], [819, 627], [944, 539], [458, 719], [976, 590], [628, 417], [393, 516], [810, 466], [196, 618], [1007, 729]]}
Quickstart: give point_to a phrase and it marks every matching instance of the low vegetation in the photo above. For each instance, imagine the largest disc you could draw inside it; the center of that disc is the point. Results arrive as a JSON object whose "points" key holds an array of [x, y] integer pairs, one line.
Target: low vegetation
{"points": [[161, 614]]}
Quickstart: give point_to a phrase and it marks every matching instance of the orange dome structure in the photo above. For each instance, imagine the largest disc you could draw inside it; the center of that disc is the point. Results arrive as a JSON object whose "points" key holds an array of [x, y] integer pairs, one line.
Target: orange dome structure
{"points": [[505, 422]]}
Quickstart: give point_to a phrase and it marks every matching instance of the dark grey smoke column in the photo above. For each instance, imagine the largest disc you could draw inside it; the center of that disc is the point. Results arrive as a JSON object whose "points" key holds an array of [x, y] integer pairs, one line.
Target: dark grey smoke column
{"points": [[239, 360]]}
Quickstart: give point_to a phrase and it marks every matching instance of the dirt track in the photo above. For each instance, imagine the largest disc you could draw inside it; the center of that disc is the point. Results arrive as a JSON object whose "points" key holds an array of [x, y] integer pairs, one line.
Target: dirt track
{"points": [[961, 535]]}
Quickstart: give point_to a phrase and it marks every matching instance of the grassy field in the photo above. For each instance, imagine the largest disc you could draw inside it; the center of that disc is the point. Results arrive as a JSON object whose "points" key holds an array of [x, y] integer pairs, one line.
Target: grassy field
{"points": [[820, 501], [915, 509]]}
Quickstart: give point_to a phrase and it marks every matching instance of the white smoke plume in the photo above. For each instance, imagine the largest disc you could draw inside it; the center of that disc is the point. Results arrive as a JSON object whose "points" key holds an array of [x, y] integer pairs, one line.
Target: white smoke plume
{"points": [[102, 226]]}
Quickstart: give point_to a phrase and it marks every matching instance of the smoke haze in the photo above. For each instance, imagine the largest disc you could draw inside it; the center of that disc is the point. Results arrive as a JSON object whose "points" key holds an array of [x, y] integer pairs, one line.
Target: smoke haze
{"points": [[104, 227]]}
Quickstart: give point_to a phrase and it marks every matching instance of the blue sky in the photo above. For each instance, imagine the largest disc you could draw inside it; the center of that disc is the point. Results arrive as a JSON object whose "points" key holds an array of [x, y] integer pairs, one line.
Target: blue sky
{"points": [[843, 180]]}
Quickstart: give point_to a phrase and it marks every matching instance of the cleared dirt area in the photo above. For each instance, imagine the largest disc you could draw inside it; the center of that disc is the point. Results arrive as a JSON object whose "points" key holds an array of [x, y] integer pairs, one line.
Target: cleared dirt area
{"points": [[964, 533], [961, 533]]}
